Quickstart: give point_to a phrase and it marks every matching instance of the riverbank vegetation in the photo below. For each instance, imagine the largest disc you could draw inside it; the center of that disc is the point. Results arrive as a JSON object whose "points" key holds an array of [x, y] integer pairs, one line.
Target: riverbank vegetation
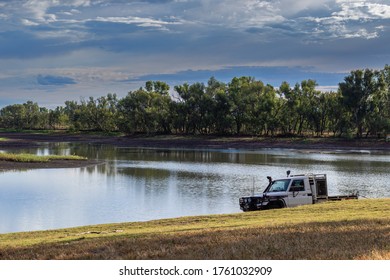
{"points": [[355, 229], [36, 158], [244, 106]]}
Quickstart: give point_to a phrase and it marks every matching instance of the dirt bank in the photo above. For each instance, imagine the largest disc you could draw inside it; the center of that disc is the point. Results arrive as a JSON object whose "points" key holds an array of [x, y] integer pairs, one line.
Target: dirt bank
{"points": [[10, 165], [29, 140], [14, 140]]}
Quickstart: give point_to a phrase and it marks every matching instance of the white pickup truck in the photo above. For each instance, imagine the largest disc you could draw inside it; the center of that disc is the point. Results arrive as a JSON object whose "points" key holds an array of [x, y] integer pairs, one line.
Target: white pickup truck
{"points": [[291, 191]]}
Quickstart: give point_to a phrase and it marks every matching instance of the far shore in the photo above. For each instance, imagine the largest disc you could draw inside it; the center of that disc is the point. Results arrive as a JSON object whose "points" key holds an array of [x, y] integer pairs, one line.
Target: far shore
{"points": [[19, 140], [10, 141]]}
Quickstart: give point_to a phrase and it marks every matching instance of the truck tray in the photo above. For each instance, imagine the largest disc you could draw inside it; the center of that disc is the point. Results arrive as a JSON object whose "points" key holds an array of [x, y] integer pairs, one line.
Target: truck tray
{"points": [[343, 197]]}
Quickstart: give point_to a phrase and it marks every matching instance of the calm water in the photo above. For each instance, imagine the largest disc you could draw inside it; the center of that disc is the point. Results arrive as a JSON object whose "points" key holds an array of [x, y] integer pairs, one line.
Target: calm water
{"points": [[146, 184]]}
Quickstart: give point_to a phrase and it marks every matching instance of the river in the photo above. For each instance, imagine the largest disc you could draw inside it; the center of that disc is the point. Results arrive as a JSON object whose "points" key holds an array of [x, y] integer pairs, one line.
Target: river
{"points": [[146, 184]]}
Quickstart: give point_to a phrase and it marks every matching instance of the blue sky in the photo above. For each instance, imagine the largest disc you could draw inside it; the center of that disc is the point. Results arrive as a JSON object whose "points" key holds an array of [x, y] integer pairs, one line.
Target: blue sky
{"points": [[52, 51]]}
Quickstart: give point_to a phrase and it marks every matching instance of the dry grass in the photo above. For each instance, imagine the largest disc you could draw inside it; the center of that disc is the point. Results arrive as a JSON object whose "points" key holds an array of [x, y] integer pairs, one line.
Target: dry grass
{"points": [[357, 229]]}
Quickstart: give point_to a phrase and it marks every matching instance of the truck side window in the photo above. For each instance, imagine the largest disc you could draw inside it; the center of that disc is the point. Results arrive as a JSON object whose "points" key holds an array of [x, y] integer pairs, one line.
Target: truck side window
{"points": [[297, 186]]}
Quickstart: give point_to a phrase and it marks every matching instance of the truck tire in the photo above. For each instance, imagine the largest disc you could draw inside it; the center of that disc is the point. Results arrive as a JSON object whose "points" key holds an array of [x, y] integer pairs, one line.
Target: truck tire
{"points": [[276, 204]]}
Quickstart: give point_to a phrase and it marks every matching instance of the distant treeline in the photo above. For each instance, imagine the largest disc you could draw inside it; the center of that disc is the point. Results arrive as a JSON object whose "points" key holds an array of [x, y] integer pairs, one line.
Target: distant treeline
{"points": [[360, 107]]}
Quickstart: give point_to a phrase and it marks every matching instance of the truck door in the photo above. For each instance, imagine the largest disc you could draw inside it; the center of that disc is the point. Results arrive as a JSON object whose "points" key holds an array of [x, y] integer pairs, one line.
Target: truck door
{"points": [[299, 193]]}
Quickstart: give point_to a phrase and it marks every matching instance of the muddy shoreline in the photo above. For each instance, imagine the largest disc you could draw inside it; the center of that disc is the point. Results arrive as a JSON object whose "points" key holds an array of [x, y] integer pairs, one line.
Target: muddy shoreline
{"points": [[13, 140], [16, 140], [10, 165]]}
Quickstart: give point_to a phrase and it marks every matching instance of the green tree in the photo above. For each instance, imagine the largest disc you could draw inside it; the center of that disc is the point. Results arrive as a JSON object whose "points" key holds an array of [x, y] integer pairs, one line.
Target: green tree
{"points": [[73, 111], [196, 106], [377, 118], [268, 109], [31, 117], [181, 109], [145, 110], [58, 119], [13, 116], [240, 98], [157, 86], [99, 114], [358, 89], [288, 109], [220, 113]]}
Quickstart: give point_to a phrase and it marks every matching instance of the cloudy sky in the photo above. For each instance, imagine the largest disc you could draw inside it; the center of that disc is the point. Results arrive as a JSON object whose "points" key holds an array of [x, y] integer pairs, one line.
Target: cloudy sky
{"points": [[52, 50]]}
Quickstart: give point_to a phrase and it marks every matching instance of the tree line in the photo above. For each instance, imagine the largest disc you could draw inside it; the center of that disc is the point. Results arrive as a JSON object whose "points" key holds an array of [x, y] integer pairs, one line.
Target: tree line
{"points": [[360, 107]]}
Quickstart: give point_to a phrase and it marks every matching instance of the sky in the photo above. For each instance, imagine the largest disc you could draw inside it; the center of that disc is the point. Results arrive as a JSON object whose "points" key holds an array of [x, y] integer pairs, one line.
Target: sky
{"points": [[52, 51]]}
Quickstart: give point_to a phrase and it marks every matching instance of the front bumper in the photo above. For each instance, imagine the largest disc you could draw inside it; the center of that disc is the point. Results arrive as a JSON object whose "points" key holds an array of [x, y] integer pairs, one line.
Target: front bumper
{"points": [[252, 203]]}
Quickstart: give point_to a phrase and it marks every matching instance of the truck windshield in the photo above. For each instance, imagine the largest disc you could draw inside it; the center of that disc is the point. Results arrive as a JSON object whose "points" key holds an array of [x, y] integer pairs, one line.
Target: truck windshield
{"points": [[279, 185]]}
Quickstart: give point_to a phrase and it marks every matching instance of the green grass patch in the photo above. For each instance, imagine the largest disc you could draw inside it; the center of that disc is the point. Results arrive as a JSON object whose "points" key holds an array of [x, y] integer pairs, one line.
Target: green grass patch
{"points": [[355, 229], [36, 158], [28, 131]]}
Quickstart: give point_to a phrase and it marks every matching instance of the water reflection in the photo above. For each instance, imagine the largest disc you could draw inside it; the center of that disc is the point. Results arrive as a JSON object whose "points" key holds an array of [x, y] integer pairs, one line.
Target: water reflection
{"points": [[145, 184]]}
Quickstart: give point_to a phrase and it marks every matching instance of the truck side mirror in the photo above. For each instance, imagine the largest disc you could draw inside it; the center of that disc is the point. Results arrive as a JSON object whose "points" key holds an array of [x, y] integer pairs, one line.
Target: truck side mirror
{"points": [[288, 173]]}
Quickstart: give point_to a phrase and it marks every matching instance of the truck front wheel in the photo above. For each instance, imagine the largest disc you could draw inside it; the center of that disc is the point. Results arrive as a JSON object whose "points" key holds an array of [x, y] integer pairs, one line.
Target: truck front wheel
{"points": [[276, 205]]}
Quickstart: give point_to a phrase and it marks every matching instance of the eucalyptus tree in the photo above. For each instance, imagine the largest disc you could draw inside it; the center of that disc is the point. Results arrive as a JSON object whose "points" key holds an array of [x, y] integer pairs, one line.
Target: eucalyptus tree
{"points": [[385, 75], [222, 120], [99, 114], [288, 113], [195, 106], [266, 108], [160, 111], [358, 91], [180, 109], [23, 116], [239, 95], [13, 116], [377, 119], [145, 110], [199, 104], [157, 86], [73, 111], [311, 107], [58, 119], [132, 115], [160, 107], [31, 117]]}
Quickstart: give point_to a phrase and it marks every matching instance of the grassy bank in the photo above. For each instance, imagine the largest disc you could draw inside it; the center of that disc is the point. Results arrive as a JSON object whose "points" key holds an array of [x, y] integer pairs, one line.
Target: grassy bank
{"points": [[358, 229], [36, 158]]}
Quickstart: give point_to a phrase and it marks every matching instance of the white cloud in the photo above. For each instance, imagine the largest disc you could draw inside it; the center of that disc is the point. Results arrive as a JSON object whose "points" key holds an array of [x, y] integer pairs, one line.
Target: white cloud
{"points": [[351, 19], [37, 9], [362, 33], [291, 7], [243, 14], [362, 10], [145, 22], [3, 16], [379, 10], [75, 42], [28, 22]]}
